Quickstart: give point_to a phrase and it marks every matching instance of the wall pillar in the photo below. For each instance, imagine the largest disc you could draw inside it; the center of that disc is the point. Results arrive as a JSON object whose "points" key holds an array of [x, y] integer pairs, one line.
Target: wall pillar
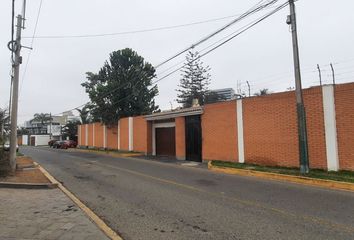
{"points": [[240, 140], [79, 135], [131, 129], [329, 112], [104, 136], [180, 138], [118, 135], [93, 134], [86, 134]]}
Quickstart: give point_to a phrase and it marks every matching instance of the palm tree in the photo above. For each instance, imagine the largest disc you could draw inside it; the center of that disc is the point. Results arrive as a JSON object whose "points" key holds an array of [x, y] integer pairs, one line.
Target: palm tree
{"points": [[84, 114], [262, 92], [42, 118]]}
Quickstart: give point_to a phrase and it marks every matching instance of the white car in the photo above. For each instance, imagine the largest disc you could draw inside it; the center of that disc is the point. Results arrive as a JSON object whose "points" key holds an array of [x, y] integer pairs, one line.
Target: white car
{"points": [[7, 146]]}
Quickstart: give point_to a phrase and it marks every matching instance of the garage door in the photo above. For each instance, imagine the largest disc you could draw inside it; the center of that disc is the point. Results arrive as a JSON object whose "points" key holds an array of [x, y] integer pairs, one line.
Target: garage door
{"points": [[165, 141]]}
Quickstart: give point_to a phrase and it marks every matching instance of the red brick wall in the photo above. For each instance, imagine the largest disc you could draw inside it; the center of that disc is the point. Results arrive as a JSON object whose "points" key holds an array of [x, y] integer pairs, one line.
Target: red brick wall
{"points": [[344, 100], [98, 135], [180, 138], [270, 130], [124, 134], [82, 136], [315, 127], [112, 137], [90, 135], [140, 140], [219, 132]]}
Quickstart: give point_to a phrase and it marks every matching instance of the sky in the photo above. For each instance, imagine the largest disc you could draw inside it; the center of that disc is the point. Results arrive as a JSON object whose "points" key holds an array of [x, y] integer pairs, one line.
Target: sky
{"points": [[51, 83]]}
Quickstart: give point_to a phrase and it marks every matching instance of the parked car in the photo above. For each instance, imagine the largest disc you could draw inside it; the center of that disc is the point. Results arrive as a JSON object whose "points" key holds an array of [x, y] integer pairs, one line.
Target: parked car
{"points": [[7, 146], [71, 143], [60, 144], [51, 142]]}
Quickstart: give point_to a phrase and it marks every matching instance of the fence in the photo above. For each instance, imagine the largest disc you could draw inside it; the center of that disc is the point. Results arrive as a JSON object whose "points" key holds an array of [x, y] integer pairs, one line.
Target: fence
{"points": [[260, 130]]}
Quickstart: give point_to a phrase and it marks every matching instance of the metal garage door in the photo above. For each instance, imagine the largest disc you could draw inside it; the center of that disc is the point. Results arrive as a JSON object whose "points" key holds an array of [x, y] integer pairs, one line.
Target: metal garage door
{"points": [[165, 141]]}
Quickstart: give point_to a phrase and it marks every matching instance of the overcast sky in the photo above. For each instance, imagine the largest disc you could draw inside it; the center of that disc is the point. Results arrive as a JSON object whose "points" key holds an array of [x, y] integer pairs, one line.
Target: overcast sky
{"points": [[262, 55]]}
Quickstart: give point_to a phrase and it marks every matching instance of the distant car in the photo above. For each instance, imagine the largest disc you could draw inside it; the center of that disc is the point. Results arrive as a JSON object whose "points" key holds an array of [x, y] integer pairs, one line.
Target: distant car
{"points": [[51, 142], [71, 143], [60, 144], [7, 146]]}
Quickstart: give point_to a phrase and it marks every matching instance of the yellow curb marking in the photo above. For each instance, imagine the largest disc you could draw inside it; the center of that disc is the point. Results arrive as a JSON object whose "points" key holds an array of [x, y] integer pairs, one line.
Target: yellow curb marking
{"points": [[245, 202], [284, 177], [98, 221]]}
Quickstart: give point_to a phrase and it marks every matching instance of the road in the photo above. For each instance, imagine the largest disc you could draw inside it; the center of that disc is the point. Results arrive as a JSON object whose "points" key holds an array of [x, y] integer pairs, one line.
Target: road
{"points": [[146, 199]]}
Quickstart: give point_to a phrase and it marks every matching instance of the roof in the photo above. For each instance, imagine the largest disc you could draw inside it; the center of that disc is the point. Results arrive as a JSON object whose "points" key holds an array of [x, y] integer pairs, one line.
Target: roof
{"points": [[175, 113]]}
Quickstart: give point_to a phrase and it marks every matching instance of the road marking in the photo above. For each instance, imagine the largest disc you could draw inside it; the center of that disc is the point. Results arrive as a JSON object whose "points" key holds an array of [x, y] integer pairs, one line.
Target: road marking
{"points": [[97, 220], [244, 202]]}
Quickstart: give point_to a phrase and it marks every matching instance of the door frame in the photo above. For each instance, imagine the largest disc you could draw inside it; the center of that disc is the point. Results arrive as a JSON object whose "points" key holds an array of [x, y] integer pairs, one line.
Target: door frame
{"points": [[159, 125], [200, 137]]}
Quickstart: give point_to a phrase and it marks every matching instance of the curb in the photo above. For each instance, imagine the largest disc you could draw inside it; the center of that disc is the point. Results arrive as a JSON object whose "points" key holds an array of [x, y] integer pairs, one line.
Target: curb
{"points": [[109, 153], [286, 178], [28, 185], [93, 217]]}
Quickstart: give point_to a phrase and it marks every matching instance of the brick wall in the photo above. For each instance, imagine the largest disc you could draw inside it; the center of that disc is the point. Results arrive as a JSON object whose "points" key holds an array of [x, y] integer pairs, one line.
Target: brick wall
{"points": [[112, 137], [344, 101], [90, 135], [180, 138], [270, 130], [219, 132], [315, 127], [124, 134], [140, 140], [98, 135], [82, 134]]}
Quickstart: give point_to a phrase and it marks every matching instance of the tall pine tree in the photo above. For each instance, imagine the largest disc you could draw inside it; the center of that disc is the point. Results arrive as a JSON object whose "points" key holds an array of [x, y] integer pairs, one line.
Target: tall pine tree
{"points": [[194, 82]]}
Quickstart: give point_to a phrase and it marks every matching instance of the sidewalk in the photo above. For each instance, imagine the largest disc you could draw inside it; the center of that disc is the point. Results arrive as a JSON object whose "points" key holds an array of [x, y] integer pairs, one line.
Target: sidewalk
{"points": [[43, 214]]}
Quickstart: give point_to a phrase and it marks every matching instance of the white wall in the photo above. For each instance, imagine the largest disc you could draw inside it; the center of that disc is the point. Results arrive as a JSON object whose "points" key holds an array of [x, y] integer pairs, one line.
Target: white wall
{"points": [[41, 140], [25, 140]]}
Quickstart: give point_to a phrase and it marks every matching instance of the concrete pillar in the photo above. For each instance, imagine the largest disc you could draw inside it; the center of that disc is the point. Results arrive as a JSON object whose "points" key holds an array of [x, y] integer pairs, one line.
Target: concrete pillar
{"points": [[104, 136], [131, 132], [329, 112], [240, 140], [86, 134], [118, 134]]}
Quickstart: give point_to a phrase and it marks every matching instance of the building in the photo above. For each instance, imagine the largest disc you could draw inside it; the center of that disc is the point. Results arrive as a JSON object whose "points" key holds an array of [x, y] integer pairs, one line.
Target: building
{"points": [[225, 93]]}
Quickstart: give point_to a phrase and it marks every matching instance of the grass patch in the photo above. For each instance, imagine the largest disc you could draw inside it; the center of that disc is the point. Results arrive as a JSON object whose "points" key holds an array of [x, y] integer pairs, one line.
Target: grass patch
{"points": [[342, 176]]}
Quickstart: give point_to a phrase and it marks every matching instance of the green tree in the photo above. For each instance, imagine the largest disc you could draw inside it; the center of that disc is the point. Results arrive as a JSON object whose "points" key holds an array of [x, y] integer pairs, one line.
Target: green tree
{"points": [[123, 87], [194, 82], [262, 92], [70, 130], [4, 124], [42, 118]]}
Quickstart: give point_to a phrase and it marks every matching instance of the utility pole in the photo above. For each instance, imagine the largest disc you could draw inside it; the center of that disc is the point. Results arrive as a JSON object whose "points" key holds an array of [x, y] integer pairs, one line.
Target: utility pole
{"points": [[301, 114], [319, 73], [50, 136], [333, 77], [14, 101]]}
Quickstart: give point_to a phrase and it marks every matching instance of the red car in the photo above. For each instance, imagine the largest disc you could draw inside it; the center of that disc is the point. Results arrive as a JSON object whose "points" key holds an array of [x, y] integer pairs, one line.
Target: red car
{"points": [[71, 143], [60, 144]]}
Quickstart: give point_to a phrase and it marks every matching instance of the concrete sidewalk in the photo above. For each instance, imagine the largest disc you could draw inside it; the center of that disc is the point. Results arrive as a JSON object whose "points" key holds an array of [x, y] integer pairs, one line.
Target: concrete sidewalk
{"points": [[43, 214]]}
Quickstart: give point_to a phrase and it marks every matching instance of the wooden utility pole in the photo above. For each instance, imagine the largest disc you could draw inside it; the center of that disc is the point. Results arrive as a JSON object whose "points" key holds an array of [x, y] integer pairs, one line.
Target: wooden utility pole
{"points": [[301, 114]]}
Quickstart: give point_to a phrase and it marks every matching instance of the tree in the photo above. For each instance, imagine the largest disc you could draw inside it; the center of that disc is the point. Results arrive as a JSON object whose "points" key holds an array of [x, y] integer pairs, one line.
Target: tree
{"points": [[122, 88], [22, 131], [70, 130], [84, 114], [194, 82], [262, 92], [4, 123], [42, 118]]}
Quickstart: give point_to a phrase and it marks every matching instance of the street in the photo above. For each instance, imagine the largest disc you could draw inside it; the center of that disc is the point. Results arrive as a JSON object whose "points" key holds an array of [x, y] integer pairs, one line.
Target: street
{"points": [[147, 199]]}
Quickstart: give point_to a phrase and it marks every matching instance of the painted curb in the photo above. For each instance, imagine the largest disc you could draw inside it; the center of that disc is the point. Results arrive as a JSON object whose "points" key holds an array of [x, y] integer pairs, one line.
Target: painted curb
{"points": [[96, 219], [287, 178]]}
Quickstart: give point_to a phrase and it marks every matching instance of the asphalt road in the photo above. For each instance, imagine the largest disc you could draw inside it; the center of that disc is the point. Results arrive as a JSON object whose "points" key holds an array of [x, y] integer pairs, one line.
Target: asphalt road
{"points": [[145, 199]]}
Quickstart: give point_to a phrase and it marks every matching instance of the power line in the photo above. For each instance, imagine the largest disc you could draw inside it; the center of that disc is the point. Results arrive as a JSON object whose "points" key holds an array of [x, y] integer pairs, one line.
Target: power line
{"points": [[135, 31], [252, 10], [32, 41], [214, 48]]}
